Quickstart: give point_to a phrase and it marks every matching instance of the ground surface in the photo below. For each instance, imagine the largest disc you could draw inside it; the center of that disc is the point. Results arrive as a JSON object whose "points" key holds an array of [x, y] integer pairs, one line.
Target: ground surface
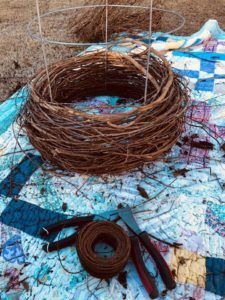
{"points": [[20, 57]]}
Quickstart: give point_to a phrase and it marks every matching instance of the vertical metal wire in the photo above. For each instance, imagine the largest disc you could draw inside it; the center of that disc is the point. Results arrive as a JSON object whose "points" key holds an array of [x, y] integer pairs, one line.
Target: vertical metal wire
{"points": [[43, 48], [106, 41], [106, 22], [149, 45]]}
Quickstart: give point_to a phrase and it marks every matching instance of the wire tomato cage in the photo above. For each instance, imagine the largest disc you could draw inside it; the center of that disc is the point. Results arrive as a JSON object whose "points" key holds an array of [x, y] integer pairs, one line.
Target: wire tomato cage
{"points": [[117, 140], [46, 40]]}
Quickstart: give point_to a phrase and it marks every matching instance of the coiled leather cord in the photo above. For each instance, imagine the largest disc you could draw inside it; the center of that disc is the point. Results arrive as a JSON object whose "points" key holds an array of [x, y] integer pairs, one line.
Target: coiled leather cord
{"points": [[111, 234]]}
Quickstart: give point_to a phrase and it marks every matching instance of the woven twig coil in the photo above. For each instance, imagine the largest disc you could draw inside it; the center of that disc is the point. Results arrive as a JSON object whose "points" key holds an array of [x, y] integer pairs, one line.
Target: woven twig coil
{"points": [[74, 140], [88, 25]]}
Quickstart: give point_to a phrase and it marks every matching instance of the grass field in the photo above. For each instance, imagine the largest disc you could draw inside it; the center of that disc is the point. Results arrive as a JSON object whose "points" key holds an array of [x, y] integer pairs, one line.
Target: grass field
{"points": [[20, 57]]}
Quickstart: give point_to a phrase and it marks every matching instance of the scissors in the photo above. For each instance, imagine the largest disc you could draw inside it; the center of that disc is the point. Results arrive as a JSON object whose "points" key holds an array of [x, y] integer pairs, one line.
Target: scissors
{"points": [[137, 237]]}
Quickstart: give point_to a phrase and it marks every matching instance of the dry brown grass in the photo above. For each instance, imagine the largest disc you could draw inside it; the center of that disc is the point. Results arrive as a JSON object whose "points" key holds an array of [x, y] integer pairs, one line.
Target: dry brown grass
{"points": [[20, 57]]}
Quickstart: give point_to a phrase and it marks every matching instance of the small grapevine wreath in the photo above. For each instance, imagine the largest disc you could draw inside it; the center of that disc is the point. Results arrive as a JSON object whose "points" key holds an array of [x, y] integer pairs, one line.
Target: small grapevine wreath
{"points": [[107, 139]]}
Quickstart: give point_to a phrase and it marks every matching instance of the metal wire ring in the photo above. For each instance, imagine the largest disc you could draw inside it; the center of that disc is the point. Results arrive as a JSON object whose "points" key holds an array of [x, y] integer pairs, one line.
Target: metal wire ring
{"points": [[113, 235], [55, 42]]}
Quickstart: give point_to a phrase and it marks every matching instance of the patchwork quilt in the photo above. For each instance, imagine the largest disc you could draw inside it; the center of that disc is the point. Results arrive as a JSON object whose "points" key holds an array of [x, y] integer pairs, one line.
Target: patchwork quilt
{"points": [[185, 203]]}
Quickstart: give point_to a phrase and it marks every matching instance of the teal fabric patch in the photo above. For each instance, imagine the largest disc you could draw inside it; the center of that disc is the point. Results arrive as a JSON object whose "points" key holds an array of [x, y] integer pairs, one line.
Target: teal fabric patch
{"points": [[10, 108], [215, 276]]}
